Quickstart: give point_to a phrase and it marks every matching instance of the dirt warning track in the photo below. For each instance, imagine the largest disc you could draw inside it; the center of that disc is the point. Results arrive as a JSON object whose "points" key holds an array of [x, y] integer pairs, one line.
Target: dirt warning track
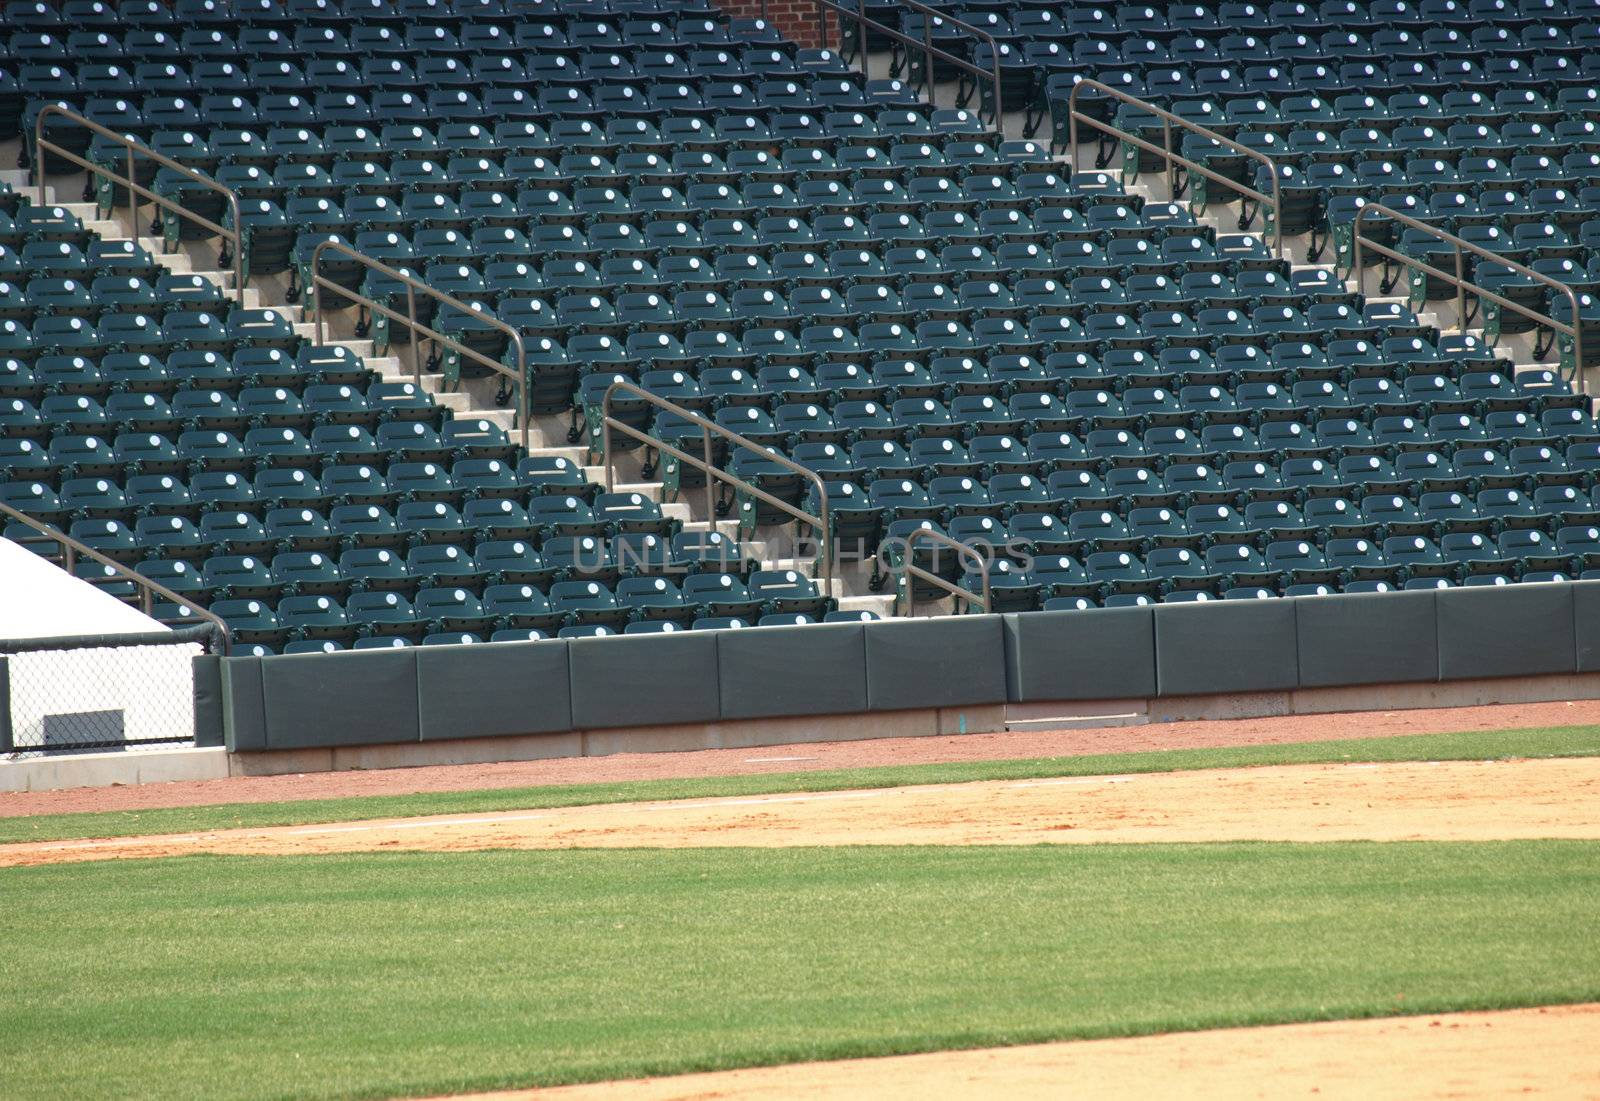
{"points": [[1420, 801]]}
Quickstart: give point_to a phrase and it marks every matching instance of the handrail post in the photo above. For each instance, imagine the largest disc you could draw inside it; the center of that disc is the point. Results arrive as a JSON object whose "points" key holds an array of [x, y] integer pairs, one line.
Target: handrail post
{"points": [[133, 201], [1171, 169], [605, 437], [1357, 267], [927, 57], [861, 37], [999, 103], [1072, 130], [524, 399], [1277, 208], [238, 246], [1578, 368], [711, 493], [416, 344], [1356, 259], [316, 297], [1461, 287]]}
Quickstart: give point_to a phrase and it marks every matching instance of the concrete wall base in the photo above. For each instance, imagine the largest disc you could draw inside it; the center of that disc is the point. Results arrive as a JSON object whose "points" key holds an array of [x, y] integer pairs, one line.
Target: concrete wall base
{"points": [[203, 764], [1378, 697], [94, 770], [467, 751], [742, 734]]}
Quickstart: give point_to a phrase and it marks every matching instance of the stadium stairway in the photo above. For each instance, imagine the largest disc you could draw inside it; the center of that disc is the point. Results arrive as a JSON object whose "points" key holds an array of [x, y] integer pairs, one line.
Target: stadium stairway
{"points": [[550, 439], [1221, 214], [852, 585]]}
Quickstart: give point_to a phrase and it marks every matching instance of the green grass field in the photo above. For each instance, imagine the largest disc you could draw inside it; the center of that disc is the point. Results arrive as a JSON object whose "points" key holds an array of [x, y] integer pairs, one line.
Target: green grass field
{"points": [[407, 974], [1583, 741]]}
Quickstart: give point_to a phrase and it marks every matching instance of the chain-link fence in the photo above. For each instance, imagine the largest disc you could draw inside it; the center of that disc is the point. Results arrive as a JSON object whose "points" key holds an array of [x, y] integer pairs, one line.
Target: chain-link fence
{"points": [[100, 693]]}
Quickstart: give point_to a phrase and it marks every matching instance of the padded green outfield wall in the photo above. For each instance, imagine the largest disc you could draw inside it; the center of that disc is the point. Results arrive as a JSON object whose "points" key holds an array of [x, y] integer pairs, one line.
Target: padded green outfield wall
{"points": [[418, 694]]}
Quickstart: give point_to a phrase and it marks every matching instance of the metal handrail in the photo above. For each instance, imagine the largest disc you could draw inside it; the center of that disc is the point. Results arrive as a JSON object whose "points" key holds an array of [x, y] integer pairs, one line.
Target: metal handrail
{"points": [[910, 569], [930, 51], [412, 285], [72, 549], [821, 523], [135, 189], [1462, 283], [1165, 149]]}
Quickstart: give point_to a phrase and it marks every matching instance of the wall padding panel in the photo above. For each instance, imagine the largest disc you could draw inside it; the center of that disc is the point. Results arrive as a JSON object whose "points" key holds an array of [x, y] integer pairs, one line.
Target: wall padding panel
{"points": [[208, 700], [644, 680], [483, 691], [244, 715], [1368, 638], [1226, 646], [950, 661], [773, 671], [1586, 623], [355, 697], [1506, 631], [1101, 655]]}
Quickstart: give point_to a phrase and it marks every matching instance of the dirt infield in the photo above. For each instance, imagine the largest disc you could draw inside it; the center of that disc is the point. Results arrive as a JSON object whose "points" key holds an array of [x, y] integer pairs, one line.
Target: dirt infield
{"points": [[1547, 1053], [805, 757], [1442, 801]]}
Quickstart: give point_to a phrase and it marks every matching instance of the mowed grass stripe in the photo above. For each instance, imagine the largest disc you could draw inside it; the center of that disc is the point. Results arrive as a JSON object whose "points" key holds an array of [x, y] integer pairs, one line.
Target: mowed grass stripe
{"points": [[403, 974], [1581, 741]]}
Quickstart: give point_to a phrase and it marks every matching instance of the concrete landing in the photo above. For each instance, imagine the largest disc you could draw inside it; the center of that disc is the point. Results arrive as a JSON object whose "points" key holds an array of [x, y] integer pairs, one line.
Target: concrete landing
{"points": [[92, 770]]}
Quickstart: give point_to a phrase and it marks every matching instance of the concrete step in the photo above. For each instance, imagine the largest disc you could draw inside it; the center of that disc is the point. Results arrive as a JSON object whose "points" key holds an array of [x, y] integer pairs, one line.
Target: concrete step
{"points": [[728, 528], [879, 605], [177, 262], [648, 489], [807, 566], [573, 455], [505, 418]]}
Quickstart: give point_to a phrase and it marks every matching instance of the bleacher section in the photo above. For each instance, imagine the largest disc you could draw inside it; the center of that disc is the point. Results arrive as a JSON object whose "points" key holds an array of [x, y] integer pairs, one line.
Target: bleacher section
{"points": [[952, 329]]}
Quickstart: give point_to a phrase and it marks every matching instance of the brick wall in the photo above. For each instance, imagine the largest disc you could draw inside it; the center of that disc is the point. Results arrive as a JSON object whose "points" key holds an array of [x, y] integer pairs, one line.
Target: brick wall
{"points": [[795, 19]]}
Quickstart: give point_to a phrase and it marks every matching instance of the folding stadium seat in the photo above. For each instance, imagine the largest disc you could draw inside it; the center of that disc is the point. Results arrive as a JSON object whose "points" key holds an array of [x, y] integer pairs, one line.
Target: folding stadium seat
{"points": [[384, 614], [308, 573], [451, 610], [588, 604]]}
